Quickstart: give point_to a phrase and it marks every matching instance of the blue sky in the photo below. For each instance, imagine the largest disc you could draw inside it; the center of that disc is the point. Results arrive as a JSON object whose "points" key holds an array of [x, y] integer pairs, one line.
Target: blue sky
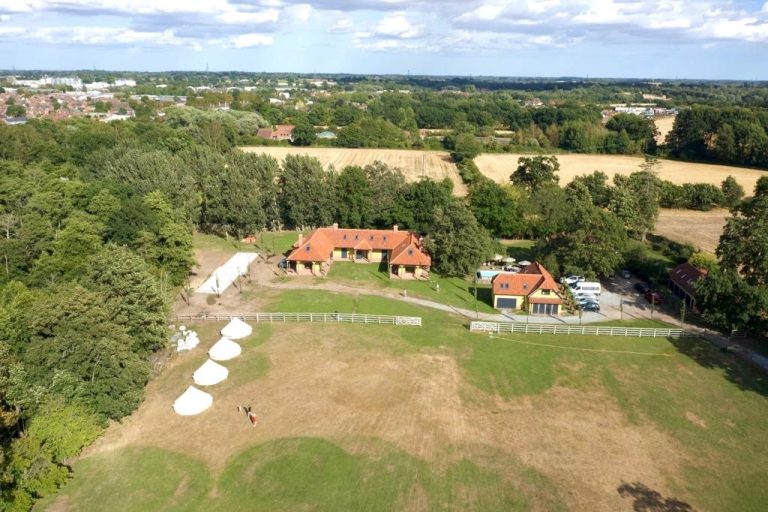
{"points": [[598, 38]]}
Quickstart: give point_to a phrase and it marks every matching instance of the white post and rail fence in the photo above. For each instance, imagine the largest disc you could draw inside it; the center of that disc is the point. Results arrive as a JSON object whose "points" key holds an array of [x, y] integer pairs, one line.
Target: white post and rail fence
{"points": [[636, 332], [351, 318]]}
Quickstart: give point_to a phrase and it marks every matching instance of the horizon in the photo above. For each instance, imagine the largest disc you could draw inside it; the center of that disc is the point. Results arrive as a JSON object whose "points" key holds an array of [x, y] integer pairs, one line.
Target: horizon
{"points": [[681, 40]]}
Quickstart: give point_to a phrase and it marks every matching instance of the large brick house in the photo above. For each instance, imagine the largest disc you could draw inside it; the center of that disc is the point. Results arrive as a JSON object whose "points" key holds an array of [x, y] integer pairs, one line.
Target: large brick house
{"points": [[532, 289], [402, 251]]}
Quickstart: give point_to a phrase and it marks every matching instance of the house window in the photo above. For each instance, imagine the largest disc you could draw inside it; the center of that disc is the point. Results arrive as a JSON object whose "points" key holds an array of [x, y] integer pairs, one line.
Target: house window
{"points": [[410, 252], [306, 248], [545, 292], [504, 286]]}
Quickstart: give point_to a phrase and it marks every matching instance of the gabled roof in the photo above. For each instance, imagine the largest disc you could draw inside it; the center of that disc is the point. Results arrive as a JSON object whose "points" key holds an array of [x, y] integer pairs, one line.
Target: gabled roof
{"points": [[532, 278], [410, 252], [684, 275], [405, 247], [315, 247]]}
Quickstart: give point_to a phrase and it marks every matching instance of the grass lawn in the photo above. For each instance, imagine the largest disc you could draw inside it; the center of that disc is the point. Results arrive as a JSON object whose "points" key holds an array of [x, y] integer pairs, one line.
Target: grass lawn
{"points": [[452, 291], [587, 414]]}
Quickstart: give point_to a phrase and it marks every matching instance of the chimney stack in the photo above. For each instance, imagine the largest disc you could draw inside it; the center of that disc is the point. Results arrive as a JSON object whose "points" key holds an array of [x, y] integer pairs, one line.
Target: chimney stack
{"points": [[394, 228], [335, 225]]}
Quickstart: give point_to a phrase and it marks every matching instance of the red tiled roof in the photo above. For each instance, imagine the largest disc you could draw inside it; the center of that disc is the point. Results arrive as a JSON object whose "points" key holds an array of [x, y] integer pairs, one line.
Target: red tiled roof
{"points": [[315, 247], [264, 133], [531, 278], [684, 275], [405, 247], [410, 252]]}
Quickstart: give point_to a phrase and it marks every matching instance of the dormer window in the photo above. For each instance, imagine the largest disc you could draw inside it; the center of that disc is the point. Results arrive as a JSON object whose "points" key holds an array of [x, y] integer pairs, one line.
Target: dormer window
{"points": [[410, 252], [345, 237], [385, 238], [371, 238], [357, 237], [306, 247]]}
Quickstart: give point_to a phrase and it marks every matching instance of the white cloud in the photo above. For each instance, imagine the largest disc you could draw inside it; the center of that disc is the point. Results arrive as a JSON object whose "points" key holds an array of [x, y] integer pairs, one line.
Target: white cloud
{"points": [[237, 17], [300, 13], [250, 40], [342, 25], [397, 25]]}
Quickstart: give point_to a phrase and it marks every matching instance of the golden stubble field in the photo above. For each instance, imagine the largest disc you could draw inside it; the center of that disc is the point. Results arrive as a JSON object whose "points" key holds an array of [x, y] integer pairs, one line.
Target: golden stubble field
{"points": [[498, 167], [700, 229], [414, 164], [664, 125]]}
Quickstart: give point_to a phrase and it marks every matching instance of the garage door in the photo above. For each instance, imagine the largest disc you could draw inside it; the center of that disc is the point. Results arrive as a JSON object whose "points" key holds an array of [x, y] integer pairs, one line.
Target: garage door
{"points": [[506, 303], [545, 309]]}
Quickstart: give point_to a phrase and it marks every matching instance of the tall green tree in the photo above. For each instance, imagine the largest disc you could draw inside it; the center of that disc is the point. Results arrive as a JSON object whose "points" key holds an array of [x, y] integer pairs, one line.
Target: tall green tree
{"points": [[355, 198], [534, 172], [457, 242], [496, 209]]}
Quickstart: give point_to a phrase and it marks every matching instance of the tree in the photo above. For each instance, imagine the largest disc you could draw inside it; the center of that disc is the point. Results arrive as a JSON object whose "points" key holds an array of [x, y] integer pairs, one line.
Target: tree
{"points": [[306, 195], [166, 243], [419, 203], [597, 184], [593, 245], [303, 135], [386, 185], [496, 209], [15, 111], [457, 242], [132, 294], [355, 203], [463, 146], [645, 187], [742, 246], [37, 462], [534, 172], [732, 191]]}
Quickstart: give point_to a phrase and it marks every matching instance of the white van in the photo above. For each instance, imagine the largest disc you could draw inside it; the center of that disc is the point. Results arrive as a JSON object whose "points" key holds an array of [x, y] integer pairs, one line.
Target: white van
{"points": [[587, 287]]}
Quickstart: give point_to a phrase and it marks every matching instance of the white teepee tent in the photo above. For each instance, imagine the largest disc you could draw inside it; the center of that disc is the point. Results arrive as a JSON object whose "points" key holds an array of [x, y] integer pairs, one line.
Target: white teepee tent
{"points": [[192, 401], [236, 329], [224, 350], [210, 373]]}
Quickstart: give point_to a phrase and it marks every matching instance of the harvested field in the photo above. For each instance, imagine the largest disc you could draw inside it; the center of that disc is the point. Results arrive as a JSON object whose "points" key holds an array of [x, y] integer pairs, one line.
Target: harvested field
{"points": [[700, 229], [498, 167], [664, 125], [414, 164]]}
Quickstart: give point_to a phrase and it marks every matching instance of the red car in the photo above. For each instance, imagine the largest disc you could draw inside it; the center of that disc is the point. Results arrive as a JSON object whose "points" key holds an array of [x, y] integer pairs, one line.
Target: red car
{"points": [[653, 297]]}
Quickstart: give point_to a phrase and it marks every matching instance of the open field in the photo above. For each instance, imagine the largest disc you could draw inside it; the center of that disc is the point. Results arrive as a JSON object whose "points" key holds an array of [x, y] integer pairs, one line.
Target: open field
{"points": [[664, 125], [700, 229], [498, 167], [355, 417], [414, 164]]}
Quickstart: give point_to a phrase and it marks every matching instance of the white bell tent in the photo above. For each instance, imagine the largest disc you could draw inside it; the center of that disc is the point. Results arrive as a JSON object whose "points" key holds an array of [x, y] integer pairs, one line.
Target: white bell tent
{"points": [[210, 373], [236, 329], [192, 402], [224, 350]]}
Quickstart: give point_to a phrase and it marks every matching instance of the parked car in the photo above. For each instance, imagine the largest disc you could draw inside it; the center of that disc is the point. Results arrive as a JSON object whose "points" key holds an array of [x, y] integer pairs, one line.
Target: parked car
{"points": [[571, 280], [642, 288], [652, 297], [625, 273], [591, 306], [585, 296]]}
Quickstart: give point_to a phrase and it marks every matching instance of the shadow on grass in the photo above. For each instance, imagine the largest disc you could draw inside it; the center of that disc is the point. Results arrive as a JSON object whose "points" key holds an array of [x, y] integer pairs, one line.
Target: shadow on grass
{"points": [[736, 370], [484, 295], [648, 500]]}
